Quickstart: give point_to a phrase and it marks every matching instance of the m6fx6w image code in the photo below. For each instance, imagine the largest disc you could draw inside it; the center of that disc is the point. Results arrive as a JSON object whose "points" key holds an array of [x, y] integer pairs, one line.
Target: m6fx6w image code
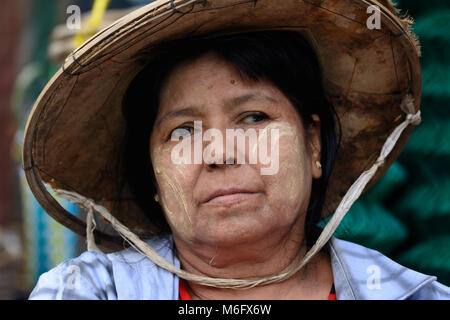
{"points": [[244, 309]]}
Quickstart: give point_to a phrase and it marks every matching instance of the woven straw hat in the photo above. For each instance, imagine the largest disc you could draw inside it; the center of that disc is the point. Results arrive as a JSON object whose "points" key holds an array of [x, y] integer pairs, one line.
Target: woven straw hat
{"points": [[372, 77]]}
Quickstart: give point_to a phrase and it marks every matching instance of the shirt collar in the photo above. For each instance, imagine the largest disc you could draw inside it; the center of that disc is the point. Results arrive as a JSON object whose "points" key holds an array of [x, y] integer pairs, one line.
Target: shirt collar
{"points": [[364, 274]]}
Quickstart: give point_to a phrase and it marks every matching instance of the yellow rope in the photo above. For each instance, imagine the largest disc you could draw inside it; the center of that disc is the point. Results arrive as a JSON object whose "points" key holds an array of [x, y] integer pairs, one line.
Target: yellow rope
{"points": [[95, 19]]}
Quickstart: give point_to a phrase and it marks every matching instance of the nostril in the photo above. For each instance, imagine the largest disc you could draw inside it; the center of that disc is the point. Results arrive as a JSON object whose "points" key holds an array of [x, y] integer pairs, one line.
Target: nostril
{"points": [[211, 163], [214, 164]]}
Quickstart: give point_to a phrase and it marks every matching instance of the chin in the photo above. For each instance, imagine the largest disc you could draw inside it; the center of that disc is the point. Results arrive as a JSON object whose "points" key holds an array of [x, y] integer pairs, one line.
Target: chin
{"points": [[235, 231]]}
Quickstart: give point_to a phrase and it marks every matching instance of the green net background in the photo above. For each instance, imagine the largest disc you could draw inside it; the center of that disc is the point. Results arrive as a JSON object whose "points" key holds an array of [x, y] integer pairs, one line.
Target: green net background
{"points": [[406, 215]]}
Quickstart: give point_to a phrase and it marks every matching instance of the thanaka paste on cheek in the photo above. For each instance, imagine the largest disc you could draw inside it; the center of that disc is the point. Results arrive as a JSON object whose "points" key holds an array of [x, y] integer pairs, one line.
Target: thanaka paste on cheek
{"points": [[293, 163], [172, 194]]}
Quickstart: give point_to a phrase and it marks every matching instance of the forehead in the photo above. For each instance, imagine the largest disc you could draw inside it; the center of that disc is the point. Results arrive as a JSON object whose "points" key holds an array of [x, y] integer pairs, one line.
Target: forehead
{"points": [[210, 79], [206, 72]]}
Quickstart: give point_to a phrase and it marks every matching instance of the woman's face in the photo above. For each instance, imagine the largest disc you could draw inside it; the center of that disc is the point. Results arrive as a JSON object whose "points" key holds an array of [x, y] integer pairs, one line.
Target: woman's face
{"points": [[221, 204]]}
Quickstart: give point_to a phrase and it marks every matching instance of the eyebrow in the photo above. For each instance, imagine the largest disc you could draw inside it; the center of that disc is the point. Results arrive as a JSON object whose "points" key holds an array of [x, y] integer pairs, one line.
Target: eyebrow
{"points": [[237, 101], [192, 111], [196, 110]]}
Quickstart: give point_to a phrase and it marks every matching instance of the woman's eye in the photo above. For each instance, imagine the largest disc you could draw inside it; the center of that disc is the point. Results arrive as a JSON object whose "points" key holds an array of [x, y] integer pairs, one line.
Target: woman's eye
{"points": [[181, 132], [255, 117]]}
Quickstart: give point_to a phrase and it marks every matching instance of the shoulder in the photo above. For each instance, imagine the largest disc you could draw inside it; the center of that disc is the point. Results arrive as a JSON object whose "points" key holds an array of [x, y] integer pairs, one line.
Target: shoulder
{"points": [[87, 277], [161, 244], [362, 273], [126, 274]]}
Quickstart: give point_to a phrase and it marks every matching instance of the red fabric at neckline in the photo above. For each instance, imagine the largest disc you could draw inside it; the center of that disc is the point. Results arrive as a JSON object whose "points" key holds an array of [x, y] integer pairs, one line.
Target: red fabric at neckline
{"points": [[184, 294]]}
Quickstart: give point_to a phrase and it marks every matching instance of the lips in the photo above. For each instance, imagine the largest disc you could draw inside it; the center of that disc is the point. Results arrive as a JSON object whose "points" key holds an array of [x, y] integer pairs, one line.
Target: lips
{"points": [[227, 196]]}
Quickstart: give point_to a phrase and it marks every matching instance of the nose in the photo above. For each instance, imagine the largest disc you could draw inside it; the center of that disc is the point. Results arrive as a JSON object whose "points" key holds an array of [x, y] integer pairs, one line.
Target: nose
{"points": [[211, 163], [218, 151], [221, 160]]}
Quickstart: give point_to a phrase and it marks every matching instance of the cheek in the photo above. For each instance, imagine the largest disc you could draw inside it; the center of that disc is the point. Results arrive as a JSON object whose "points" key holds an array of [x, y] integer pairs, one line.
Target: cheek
{"points": [[288, 190], [174, 181]]}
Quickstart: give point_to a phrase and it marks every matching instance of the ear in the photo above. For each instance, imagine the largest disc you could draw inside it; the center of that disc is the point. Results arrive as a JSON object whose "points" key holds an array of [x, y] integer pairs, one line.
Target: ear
{"points": [[315, 145]]}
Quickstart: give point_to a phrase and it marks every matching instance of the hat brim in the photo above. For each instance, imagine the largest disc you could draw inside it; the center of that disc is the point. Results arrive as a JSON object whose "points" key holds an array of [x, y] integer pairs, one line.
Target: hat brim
{"points": [[75, 129]]}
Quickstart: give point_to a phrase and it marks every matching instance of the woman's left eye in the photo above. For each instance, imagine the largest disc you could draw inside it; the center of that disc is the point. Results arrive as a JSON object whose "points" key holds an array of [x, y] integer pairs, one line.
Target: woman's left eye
{"points": [[255, 117]]}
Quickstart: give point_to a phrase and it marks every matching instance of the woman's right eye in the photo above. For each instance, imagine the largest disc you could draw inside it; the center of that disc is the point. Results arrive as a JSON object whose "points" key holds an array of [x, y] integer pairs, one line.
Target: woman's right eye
{"points": [[181, 132]]}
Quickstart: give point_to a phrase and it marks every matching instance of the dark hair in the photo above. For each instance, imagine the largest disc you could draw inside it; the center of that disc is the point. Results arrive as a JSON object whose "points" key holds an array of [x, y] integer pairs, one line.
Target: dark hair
{"points": [[283, 58]]}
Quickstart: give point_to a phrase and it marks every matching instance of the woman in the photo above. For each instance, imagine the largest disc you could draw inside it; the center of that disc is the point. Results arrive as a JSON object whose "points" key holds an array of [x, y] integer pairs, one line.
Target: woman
{"points": [[226, 221]]}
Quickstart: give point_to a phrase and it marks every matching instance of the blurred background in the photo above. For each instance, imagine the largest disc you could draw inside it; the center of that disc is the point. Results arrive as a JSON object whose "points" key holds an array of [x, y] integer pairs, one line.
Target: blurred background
{"points": [[406, 215]]}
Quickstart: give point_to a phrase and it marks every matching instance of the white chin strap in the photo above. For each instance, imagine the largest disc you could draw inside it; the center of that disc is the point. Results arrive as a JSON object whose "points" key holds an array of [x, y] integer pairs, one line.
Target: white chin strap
{"points": [[347, 201]]}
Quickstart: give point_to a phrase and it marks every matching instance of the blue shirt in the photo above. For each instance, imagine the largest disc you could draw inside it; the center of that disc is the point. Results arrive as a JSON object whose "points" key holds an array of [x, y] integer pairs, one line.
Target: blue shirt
{"points": [[359, 273]]}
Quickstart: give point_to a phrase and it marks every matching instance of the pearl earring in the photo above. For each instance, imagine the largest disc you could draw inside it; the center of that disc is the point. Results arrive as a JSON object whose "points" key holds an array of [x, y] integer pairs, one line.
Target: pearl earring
{"points": [[156, 197], [318, 165]]}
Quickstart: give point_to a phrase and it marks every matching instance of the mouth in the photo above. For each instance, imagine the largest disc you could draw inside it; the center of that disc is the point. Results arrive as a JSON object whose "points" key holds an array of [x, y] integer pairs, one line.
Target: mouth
{"points": [[228, 197]]}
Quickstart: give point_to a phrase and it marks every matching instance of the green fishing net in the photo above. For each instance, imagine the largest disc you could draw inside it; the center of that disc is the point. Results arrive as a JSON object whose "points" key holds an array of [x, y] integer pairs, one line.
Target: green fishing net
{"points": [[406, 215]]}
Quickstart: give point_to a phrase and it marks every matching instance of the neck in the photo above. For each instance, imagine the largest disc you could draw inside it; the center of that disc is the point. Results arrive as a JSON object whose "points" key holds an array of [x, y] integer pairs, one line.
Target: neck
{"points": [[254, 261], [313, 282]]}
